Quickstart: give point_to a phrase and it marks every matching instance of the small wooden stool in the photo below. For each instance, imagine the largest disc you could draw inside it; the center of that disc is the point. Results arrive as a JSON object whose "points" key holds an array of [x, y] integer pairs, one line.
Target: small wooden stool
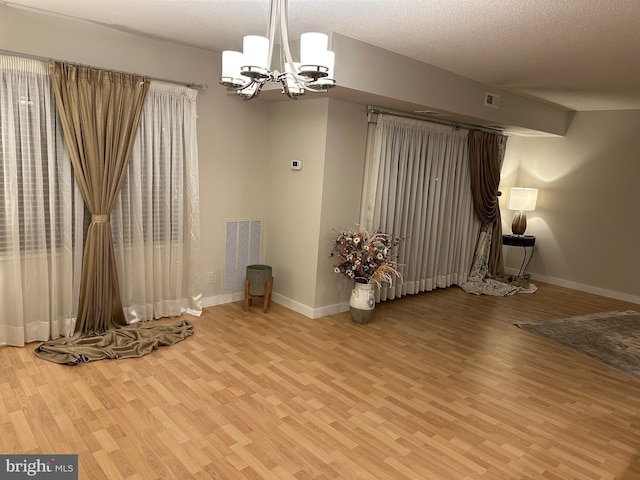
{"points": [[259, 283]]}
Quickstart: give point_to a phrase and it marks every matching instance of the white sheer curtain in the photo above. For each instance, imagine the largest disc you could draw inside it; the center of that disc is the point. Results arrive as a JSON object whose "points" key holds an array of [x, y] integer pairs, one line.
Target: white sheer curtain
{"points": [[155, 221], [41, 219], [417, 186]]}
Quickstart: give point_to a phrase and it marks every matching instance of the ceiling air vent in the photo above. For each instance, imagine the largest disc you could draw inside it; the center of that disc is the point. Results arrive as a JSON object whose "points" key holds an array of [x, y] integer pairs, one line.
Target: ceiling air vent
{"points": [[491, 100]]}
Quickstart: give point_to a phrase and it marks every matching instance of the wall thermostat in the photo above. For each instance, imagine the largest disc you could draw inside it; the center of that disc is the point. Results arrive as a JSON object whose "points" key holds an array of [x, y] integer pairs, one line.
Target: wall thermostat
{"points": [[296, 164]]}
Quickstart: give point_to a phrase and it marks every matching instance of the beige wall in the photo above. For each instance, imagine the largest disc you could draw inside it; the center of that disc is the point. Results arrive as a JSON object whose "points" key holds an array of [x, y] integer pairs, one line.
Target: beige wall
{"points": [[341, 197], [305, 206], [297, 132], [587, 221]]}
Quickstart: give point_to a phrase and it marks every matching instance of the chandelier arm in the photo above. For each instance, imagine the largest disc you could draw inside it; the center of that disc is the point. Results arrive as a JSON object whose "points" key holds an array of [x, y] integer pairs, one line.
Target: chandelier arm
{"points": [[285, 88], [253, 94], [242, 87], [284, 36], [271, 32], [286, 51]]}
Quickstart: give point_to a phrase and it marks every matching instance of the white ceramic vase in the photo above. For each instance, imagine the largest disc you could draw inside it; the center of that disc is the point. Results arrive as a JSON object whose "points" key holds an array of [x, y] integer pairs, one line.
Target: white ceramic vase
{"points": [[362, 303]]}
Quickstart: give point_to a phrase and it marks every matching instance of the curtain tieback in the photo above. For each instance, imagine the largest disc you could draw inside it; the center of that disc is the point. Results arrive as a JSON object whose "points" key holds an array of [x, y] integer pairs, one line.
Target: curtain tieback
{"points": [[99, 218]]}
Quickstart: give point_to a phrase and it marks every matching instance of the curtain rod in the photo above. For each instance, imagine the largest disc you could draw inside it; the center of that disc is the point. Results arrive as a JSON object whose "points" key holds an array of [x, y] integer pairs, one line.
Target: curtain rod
{"points": [[441, 121], [195, 86]]}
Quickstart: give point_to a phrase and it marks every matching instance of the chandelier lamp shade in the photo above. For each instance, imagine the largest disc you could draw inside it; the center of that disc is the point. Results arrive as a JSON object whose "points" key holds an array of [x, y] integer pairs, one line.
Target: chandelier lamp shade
{"points": [[522, 199], [248, 71]]}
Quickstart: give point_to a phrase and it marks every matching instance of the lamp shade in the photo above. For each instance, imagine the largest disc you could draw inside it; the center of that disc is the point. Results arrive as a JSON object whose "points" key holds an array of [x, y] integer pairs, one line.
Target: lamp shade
{"points": [[313, 48], [328, 81], [231, 63], [255, 51], [523, 199]]}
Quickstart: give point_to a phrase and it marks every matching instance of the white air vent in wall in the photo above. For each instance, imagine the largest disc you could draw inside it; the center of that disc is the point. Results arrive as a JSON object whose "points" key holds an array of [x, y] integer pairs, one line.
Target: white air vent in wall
{"points": [[243, 248], [491, 100]]}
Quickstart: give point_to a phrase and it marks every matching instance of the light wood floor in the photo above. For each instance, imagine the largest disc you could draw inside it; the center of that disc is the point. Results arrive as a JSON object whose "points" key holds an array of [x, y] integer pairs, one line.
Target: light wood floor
{"points": [[440, 386]]}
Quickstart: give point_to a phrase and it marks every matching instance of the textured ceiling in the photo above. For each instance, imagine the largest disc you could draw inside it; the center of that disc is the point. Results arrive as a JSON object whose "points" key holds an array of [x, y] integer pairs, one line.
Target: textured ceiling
{"points": [[581, 54]]}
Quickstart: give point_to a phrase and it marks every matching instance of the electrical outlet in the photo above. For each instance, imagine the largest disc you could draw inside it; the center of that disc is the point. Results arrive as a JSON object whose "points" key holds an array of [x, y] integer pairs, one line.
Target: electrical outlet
{"points": [[211, 278]]}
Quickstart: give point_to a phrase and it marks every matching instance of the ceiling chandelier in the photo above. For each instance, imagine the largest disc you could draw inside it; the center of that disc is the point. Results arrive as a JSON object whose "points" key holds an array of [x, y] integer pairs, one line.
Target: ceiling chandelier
{"points": [[248, 71]]}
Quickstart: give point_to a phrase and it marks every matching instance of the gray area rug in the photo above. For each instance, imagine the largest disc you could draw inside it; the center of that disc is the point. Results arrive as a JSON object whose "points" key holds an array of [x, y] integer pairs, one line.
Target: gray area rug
{"points": [[612, 338]]}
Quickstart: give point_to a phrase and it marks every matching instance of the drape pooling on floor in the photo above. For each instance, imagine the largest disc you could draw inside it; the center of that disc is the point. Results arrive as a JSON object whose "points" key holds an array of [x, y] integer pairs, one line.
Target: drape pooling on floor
{"points": [[100, 113], [130, 341]]}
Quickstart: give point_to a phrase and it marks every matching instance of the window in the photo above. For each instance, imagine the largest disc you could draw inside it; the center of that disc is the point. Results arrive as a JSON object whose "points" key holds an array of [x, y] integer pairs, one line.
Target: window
{"points": [[43, 219], [33, 166]]}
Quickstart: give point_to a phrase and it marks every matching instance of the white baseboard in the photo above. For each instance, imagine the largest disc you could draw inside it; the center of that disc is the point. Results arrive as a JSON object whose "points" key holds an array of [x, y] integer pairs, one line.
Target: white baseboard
{"points": [[625, 297], [305, 310], [222, 299], [314, 313], [292, 305], [331, 310]]}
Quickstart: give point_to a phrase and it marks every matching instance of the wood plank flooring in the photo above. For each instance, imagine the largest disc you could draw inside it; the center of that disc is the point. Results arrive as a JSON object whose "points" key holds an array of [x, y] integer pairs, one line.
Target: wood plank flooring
{"points": [[440, 386]]}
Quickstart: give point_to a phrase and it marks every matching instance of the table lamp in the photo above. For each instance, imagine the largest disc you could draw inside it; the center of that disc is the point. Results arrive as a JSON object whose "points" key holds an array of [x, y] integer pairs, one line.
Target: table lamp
{"points": [[522, 200]]}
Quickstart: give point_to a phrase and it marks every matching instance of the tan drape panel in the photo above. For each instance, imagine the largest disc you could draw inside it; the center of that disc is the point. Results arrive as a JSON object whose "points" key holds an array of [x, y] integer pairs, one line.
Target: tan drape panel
{"points": [[485, 157], [100, 113]]}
